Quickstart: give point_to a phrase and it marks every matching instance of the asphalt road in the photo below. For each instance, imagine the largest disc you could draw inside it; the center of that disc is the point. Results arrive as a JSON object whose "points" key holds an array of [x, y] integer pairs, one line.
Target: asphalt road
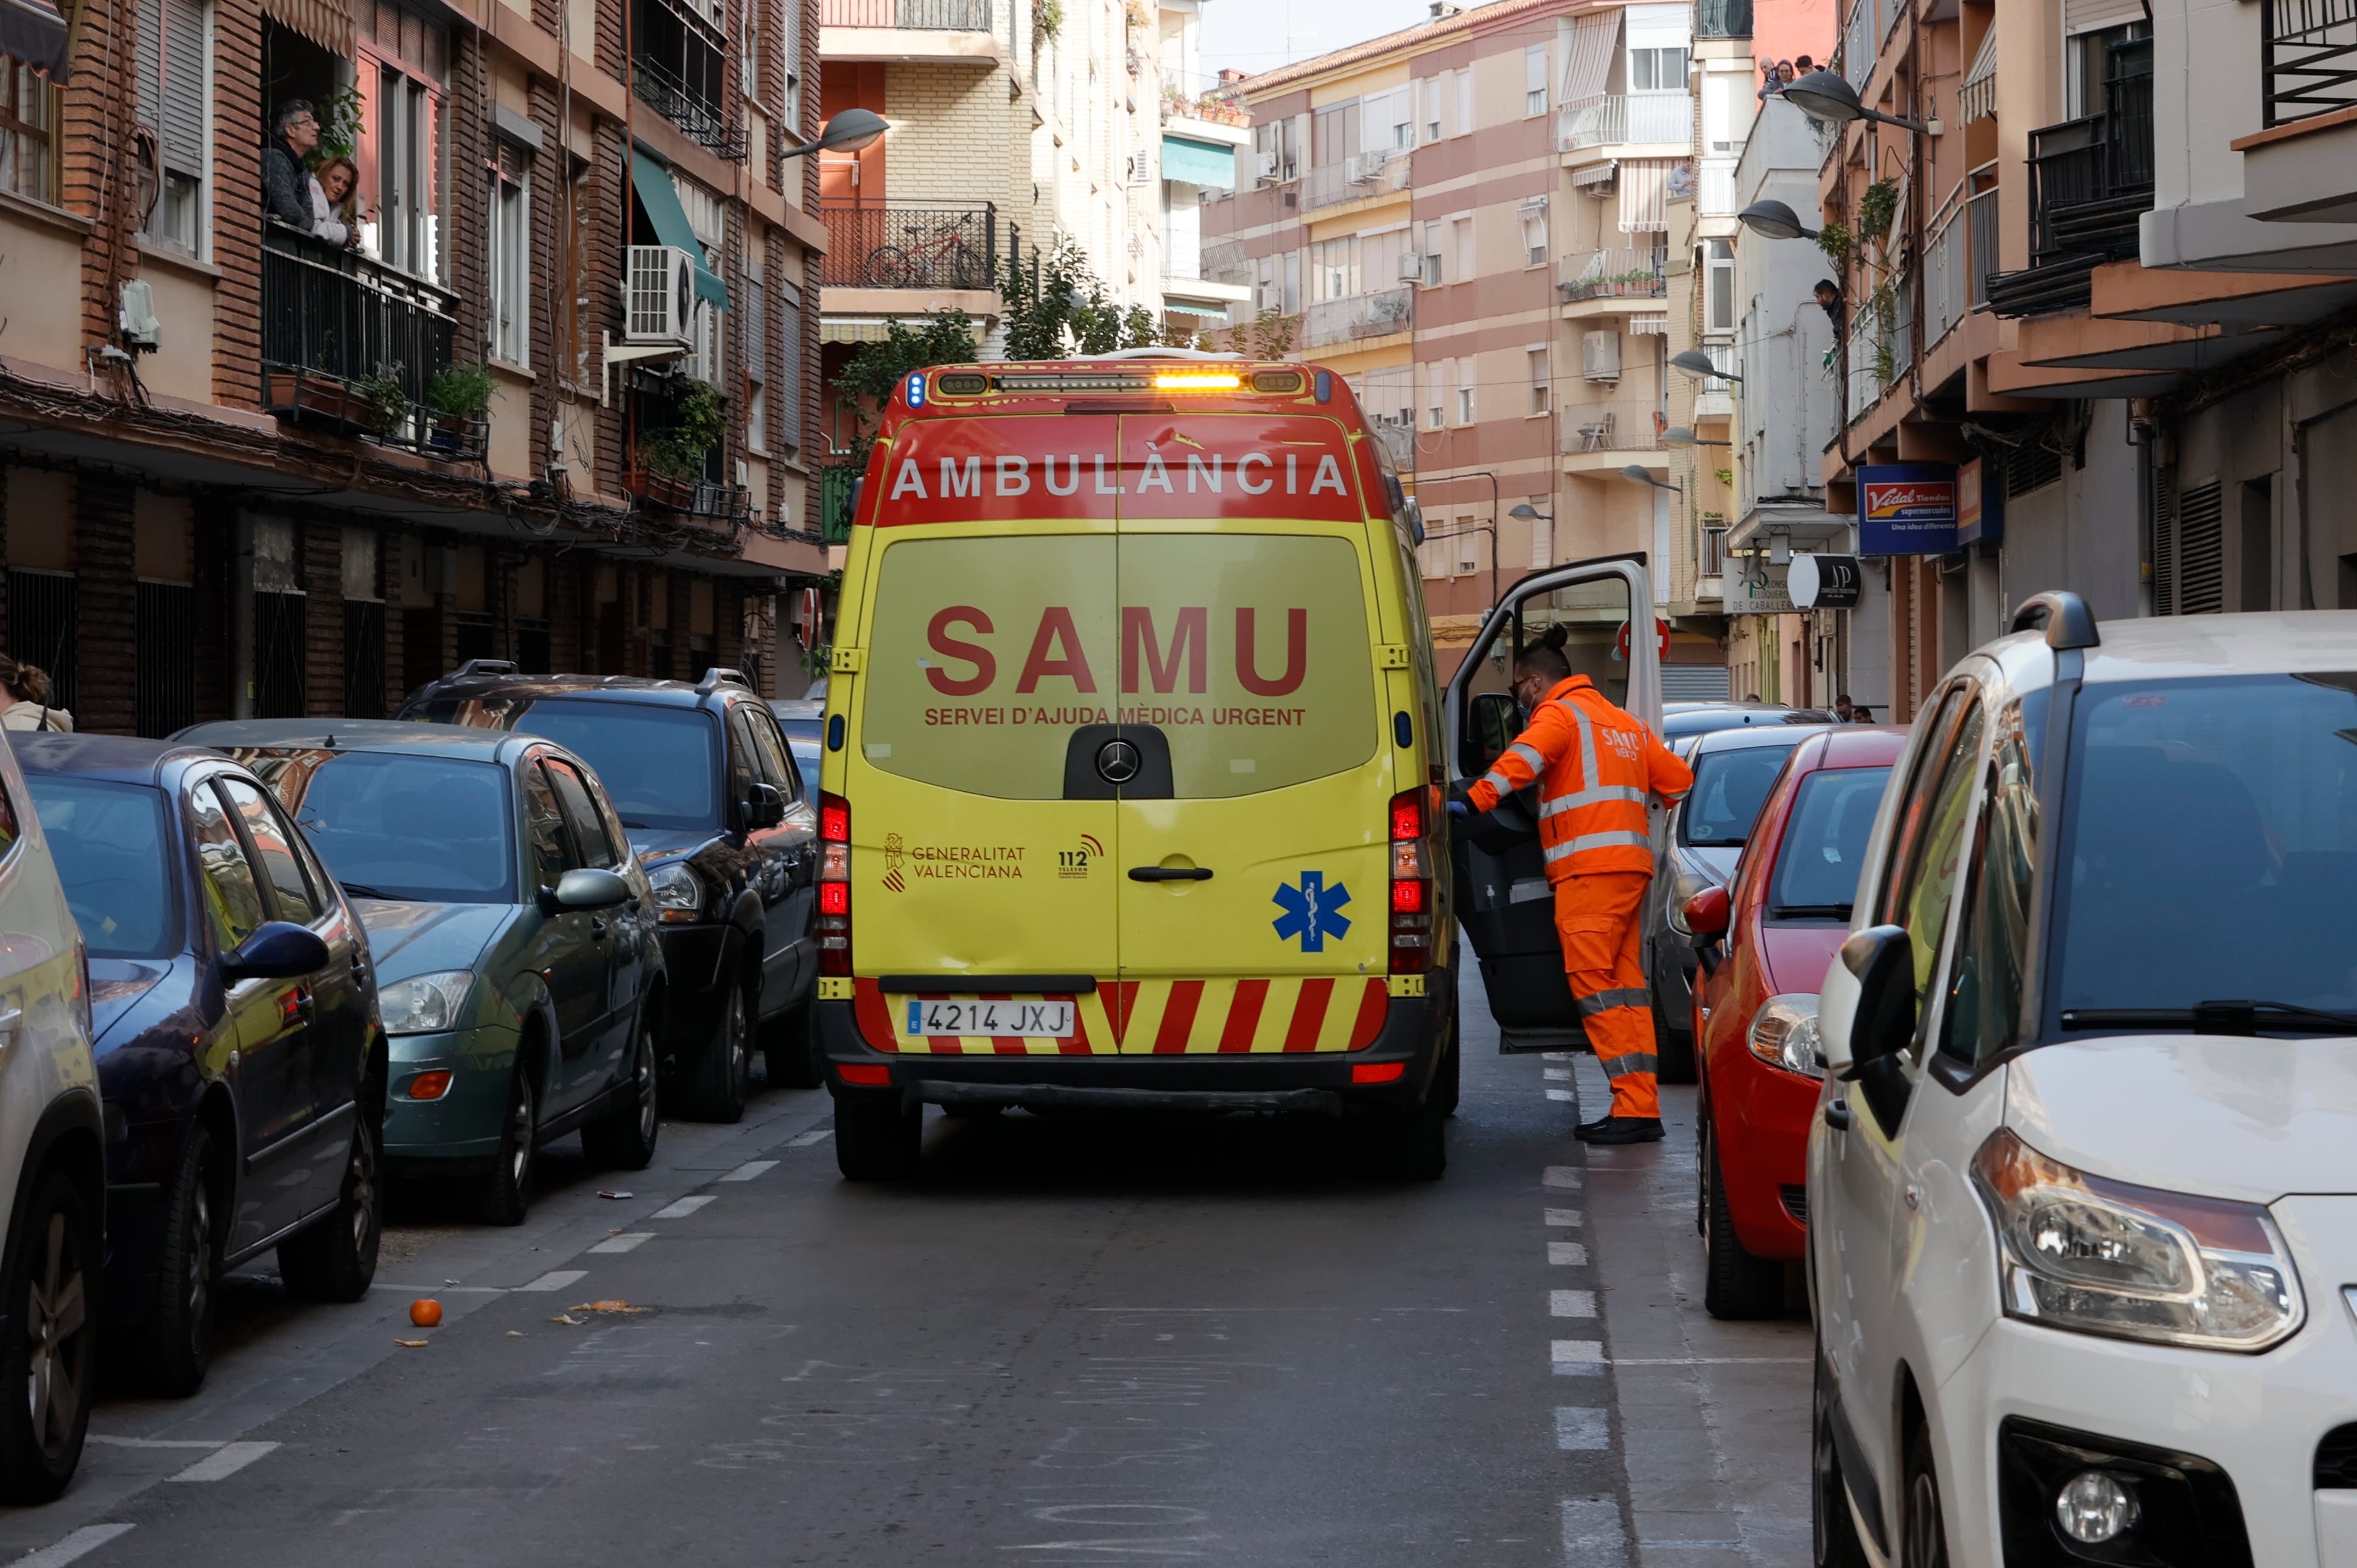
{"points": [[1077, 1341]]}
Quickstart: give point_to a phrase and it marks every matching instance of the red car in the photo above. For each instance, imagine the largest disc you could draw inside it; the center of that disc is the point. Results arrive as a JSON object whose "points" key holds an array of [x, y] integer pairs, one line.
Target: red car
{"points": [[1755, 1021]]}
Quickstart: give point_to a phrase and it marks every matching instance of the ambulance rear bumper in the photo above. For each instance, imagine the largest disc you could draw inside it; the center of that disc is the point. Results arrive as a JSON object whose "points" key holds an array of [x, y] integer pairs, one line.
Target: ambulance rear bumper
{"points": [[1414, 1032]]}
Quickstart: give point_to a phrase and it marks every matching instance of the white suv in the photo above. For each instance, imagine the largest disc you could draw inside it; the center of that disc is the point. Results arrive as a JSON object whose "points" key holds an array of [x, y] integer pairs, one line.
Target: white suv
{"points": [[52, 1165], [2082, 1195]]}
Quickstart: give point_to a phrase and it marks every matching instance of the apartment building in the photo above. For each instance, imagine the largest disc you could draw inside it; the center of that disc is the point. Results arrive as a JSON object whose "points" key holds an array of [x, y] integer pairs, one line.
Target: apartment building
{"points": [[544, 398]]}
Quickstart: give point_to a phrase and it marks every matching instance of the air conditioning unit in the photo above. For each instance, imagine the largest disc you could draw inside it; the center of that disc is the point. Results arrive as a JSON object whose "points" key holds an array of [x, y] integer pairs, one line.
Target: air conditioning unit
{"points": [[1599, 355], [1364, 168], [1268, 166], [142, 333], [659, 296], [1410, 268], [1141, 168]]}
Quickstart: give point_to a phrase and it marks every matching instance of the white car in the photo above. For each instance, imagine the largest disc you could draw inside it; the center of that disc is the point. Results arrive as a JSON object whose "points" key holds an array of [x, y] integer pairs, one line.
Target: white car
{"points": [[52, 1165], [2082, 1190]]}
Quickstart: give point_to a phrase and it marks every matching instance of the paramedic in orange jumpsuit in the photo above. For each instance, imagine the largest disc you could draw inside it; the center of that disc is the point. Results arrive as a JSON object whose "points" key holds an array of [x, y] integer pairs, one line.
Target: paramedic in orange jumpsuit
{"points": [[1596, 765]]}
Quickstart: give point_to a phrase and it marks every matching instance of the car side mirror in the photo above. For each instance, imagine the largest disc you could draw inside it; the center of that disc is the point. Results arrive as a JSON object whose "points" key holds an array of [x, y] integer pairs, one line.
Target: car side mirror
{"points": [[1707, 913], [1882, 1020], [584, 889], [278, 950], [765, 806], [1493, 723]]}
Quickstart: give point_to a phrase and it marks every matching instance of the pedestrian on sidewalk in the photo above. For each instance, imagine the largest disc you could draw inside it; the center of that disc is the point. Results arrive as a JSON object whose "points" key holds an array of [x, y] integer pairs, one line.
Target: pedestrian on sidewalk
{"points": [[1596, 765], [24, 691]]}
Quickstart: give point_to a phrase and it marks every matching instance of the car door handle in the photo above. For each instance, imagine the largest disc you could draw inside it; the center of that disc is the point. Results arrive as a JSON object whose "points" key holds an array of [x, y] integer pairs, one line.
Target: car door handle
{"points": [[1837, 1115], [598, 929], [1170, 874]]}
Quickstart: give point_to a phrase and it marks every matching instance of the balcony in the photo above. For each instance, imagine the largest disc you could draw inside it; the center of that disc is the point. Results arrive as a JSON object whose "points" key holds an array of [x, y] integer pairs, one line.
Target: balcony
{"points": [[2090, 182], [351, 346], [884, 245], [1622, 424], [1610, 274], [678, 66], [1355, 179], [2307, 58], [1399, 440], [915, 15], [1633, 119], [1723, 19], [1360, 315]]}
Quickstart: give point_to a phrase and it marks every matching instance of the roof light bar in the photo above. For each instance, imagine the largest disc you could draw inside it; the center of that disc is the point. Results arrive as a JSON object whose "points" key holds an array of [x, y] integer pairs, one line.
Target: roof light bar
{"points": [[1198, 380], [1050, 383]]}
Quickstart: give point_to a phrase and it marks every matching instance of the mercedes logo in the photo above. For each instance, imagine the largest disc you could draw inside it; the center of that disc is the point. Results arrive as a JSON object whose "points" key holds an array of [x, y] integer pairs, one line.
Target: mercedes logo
{"points": [[1117, 762]]}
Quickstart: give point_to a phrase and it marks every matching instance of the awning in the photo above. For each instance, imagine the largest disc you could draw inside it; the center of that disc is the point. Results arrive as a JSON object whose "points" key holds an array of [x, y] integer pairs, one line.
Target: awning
{"points": [[1199, 163], [2094, 16], [1209, 312], [1649, 326], [857, 328], [1644, 195], [1976, 99], [1595, 38], [327, 22], [34, 32], [1596, 174], [661, 198]]}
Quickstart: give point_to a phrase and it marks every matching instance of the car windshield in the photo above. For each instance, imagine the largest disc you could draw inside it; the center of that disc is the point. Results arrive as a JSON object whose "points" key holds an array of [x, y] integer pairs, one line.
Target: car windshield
{"points": [[2212, 845], [656, 763], [426, 829], [1728, 789], [1825, 840], [108, 842]]}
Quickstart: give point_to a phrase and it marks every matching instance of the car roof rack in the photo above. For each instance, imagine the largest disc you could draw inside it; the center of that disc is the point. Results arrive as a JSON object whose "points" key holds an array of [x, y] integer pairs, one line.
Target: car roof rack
{"points": [[485, 667], [721, 676], [2063, 617]]}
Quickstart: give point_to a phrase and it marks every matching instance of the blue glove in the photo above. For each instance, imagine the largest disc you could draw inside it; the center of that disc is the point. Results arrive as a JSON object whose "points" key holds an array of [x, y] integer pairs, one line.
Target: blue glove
{"points": [[1459, 810]]}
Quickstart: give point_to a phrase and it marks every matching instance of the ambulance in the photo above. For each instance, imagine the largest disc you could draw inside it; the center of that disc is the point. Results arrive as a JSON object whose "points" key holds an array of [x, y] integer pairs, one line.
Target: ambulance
{"points": [[1131, 795]]}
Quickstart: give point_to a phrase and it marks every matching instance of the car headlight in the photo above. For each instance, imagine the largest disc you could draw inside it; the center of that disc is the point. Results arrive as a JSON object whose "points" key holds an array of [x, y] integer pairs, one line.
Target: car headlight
{"points": [[2101, 1257], [424, 1003], [678, 893], [1784, 1033]]}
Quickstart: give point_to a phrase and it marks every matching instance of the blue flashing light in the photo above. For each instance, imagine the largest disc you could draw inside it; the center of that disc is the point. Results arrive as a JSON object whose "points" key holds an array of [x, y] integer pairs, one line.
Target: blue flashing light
{"points": [[1325, 385], [917, 388]]}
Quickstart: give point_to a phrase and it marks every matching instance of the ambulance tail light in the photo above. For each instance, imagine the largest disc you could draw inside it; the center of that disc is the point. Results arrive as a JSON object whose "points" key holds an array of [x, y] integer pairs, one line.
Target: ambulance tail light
{"points": [[1412, 816], [834, 885]]}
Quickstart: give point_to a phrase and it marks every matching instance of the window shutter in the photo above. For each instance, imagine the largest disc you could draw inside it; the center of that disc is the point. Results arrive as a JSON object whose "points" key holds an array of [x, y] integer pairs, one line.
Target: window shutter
{"points": [[2164, 538], [151, 64], [2200, 551], [1465, 100], [756, 325], [183, 107], [790, 384], [1534, 71]]}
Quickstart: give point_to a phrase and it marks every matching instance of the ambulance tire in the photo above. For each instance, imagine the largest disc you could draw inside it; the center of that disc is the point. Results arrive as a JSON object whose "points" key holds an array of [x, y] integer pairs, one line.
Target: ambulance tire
{"points": [[1444, 1077], [876, 1140], [1410, 1141]]}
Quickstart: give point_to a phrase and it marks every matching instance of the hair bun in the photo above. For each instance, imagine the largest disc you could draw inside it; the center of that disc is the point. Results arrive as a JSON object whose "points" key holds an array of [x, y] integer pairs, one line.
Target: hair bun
{"points": [[1556, 636]]}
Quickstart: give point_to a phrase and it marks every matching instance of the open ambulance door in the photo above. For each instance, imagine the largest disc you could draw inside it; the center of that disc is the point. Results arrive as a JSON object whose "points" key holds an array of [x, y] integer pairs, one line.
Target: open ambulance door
{"points": [[1503, 898]]}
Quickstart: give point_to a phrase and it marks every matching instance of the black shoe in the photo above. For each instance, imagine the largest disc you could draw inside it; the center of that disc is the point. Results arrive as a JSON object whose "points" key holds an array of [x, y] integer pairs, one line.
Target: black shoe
{"points": [[1623, 1130], [1598, 1126]]}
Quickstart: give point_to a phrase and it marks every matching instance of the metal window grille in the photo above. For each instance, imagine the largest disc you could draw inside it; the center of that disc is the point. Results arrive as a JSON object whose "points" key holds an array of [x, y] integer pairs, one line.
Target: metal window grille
{"points": [[2200, 551], [363, 659], [164, 678], [42, 626], [478, 636], [2164, 542], [278, 655], [2033, 465]]}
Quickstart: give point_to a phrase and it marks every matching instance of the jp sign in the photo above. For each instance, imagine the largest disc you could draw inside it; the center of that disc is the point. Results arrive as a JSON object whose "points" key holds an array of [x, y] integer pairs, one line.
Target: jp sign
{"points": [[1907, 509]]}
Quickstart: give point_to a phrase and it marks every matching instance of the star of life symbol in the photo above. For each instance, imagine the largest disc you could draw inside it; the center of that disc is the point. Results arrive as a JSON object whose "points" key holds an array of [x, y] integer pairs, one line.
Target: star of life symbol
{"points": [[1312, 911]]}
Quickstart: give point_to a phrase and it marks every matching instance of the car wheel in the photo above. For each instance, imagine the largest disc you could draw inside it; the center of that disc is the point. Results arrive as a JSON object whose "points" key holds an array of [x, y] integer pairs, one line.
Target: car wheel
{"points": [[790, 1048], [718, 1084], [1446, 1079], [1924, 1532], [507, 1195], [49, 1296], [1832, 1526], [335, 1259], [177, 1345], [1673, 1051], [877, 1139], [624, 1138], [1735, 1285]]}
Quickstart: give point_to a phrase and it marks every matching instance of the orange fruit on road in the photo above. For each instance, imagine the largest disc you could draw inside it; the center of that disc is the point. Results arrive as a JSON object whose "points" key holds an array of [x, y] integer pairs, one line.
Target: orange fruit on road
{"points": [[426, 1314]]}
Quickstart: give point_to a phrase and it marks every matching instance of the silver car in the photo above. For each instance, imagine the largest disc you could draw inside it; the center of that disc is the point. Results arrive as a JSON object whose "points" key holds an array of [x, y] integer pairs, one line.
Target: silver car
{"points": [[1701, 839]]}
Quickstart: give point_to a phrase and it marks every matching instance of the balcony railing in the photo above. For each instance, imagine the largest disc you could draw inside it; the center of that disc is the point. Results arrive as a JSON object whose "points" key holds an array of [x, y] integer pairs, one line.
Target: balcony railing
{"points": [[1859, 35], [1716, 197], [1398, 439], [1946, 264], [1610, 274], [1723, 19], [1225, 261], [837, 482], [1621, 425], [341, 334], [920, 16], [1376, 315], [1621, 119], [701, 117], [680, 67], [1356, 178], [2307, 58], [887, 246], [2090, 181], [1982, 204]]}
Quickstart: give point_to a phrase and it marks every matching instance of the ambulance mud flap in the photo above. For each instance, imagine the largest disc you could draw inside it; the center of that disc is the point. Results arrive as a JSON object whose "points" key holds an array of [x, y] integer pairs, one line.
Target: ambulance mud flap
{"points": [[1039, 1096]]}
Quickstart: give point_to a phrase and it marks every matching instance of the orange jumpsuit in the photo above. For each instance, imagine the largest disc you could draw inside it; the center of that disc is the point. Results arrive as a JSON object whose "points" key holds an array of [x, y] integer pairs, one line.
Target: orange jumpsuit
{"points": [[1596, 765]]}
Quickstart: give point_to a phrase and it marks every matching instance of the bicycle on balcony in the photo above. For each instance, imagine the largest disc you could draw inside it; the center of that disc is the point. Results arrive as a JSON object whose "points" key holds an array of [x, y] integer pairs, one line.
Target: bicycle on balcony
{"points": [[947, 258]]}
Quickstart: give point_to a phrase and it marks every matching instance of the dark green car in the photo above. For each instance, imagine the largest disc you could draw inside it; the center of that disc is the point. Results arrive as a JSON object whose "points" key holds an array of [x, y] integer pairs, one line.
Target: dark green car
{"points": [[511, 931]]}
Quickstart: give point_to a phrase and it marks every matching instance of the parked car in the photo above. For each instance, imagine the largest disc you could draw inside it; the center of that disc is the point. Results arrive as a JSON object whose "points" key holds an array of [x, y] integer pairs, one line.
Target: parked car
{"points": [[1684, 724], [2081, 1206], [52, 1163], [1764, 942], [239, 1049], [801, 718], [515, 937], [726, 829], [1695, 847]]}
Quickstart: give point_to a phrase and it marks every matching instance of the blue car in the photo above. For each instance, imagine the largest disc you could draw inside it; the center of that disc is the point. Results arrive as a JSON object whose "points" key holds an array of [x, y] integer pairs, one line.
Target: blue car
{"points": [[239, 1056]]}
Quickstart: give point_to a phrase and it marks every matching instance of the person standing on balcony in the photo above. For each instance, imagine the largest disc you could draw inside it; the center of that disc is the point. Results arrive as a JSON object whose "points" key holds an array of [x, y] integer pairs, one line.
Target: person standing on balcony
{"points": [[334, 202], [285, 184]]}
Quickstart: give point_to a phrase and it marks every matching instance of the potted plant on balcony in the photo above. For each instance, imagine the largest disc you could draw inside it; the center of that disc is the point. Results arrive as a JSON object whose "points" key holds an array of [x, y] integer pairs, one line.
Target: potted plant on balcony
{"points": [[378, 401], [670, 458], [460, 397]]}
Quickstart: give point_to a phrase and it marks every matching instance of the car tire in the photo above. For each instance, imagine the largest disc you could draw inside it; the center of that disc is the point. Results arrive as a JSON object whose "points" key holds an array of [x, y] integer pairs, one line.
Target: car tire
{"points": [[790, 1048], [1673, 1052], [1922, 1526], [50, 1297], [624, 1138], [335, 1259], [1737, 1286], [175, 1347], [1447, 1079], [1833, 1528], [877, 1139], [721, 1079], [507, 1193]]}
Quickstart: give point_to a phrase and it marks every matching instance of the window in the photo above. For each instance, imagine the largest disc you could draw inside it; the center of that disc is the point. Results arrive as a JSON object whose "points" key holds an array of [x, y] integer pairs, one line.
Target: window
{"points": [[756, 318], [1718, 299], [175, 61], [1292, 283], [408, 115], [232, 894], [1534, 80], [1930, 849], [366, 813], [1534, 215], [1993, 949], [776, 763], [1657, 70], [543, 824], [1825, 843], [1462, 235], [274, 848], [1467, 560], [1432, 258], [1465, 102], [27, 150], [108, 841], [749, 48], [509, 321], [581, 814], [790, 382], [1465, 392], [1540, 381], [790, 17], [1436, 410], [1275, 143], [1334, 268], [1436, 92]]}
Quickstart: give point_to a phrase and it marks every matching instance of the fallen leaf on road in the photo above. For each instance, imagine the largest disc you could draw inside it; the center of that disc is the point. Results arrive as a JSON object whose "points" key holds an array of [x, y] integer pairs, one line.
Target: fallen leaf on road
{"points": [[568, 1317], [515, 1334], [604, 1306], [413, 1344]]}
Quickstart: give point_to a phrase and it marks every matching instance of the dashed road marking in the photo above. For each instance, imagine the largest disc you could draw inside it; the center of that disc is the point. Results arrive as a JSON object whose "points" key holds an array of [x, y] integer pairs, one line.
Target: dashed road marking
{"points": [[1566, 1253], [1562, 1175], [625, 1243], [1582, 1429], [1561, 1094], [1593, 1536], [805, 1140], [1571, 1304], [555, 1279], [205, 1443], [682, 1208], [225, 1461], [1577, 1352], [1563, 1216], [1712, 1361], [750, 1169], [86, 1540]]}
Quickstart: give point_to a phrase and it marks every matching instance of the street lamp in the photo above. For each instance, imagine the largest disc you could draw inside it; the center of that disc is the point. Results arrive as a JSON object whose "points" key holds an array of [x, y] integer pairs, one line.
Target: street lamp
{"points": [[1696, 363], [1530, 513], [846, 133], [1775, 221], [1823, 95], [1636, 475], [1684, 435]]}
